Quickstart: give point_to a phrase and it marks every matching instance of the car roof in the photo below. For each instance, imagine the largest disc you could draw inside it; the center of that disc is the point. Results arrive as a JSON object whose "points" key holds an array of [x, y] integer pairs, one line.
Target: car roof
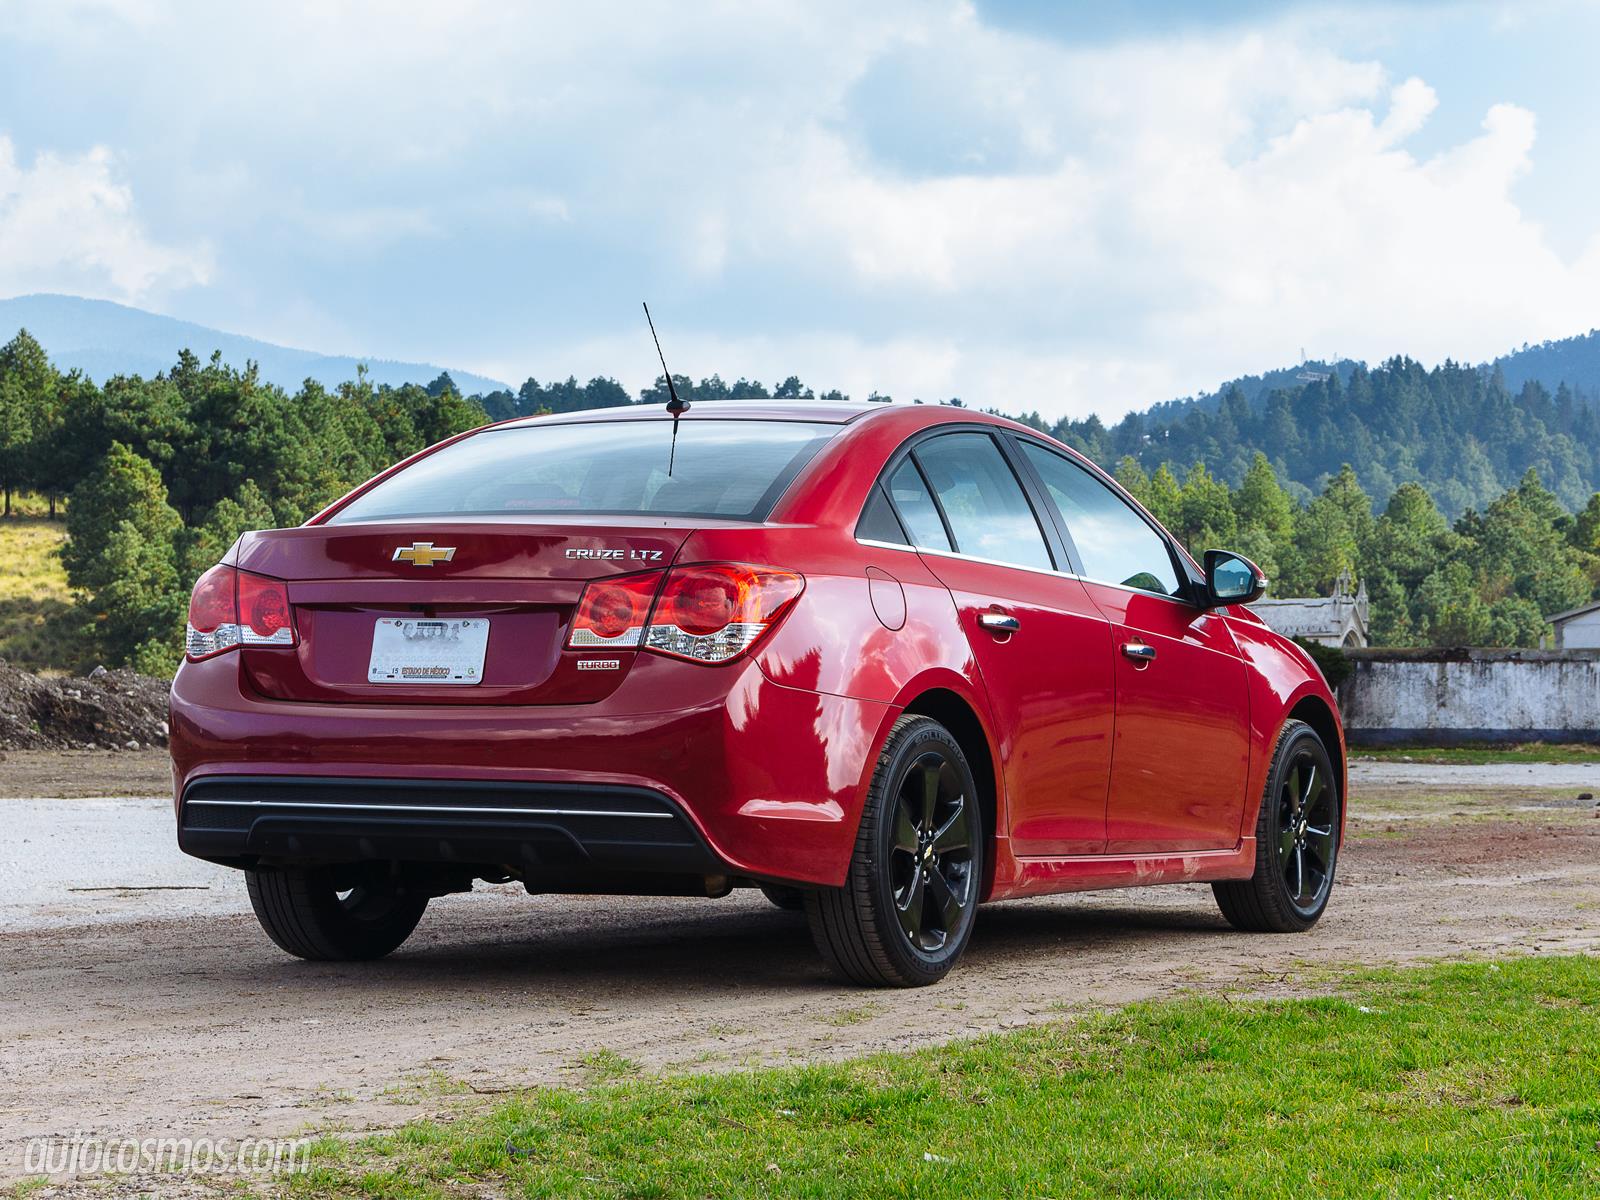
{"points": [[823, 412]]}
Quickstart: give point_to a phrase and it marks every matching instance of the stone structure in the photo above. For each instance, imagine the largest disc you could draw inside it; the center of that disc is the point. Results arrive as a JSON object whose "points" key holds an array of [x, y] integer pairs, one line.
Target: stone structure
{"points": [[1336, 620]]}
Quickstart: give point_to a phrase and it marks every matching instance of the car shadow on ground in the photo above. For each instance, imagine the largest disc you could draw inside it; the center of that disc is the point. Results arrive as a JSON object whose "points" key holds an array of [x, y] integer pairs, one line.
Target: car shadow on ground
{"points": [[697, 949]]}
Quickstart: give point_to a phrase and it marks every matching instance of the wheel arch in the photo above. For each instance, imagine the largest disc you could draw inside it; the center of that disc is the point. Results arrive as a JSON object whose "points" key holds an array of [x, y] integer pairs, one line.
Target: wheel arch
{"points": [[958, 715]]}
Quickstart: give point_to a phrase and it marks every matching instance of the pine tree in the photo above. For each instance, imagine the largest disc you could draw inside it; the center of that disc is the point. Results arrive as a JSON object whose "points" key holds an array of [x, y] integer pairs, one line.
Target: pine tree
{"points": [[27, 392], [121, 558]]}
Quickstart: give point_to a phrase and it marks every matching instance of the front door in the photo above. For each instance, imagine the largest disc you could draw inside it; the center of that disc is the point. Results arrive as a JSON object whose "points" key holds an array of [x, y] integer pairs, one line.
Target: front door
{"points": [[1181, 754], [1043, 648]]}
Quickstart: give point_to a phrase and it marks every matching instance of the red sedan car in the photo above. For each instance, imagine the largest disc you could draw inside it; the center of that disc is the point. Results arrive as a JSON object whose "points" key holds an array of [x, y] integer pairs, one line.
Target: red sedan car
{"points": [[884, 663]]}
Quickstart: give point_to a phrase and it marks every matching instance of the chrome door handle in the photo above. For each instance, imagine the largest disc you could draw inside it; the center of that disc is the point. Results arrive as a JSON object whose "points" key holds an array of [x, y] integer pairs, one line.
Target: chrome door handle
{"points": [[1139, 652], [999, 622]]}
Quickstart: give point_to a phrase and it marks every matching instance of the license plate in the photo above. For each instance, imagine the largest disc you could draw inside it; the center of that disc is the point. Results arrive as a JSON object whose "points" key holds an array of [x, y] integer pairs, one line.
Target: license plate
{"points": [[427, 651]]}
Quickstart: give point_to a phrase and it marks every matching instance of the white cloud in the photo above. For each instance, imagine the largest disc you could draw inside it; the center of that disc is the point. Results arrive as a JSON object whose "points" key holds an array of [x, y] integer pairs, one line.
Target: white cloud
{"points": [[895, 196], [67, 225]]}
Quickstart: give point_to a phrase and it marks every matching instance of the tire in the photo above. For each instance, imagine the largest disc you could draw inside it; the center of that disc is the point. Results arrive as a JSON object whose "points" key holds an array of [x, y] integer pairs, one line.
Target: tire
{"points": [[336, 914], [1297, 841], [906, 910], [790, 899]]}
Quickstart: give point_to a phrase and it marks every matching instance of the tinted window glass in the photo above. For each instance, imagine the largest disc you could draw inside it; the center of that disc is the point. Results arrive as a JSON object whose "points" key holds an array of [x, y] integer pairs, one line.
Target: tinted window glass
{"points": [[1115, 543], [916, 508], [878, 522], [987, 510], [731, 469]]}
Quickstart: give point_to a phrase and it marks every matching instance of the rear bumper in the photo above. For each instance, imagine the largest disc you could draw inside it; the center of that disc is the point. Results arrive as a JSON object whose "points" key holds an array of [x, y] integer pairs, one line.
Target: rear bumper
{"points": [[538, 830], [761, 779]]}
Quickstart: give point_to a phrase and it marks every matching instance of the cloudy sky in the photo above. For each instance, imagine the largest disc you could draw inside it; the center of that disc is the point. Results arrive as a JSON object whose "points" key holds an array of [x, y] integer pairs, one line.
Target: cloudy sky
{"points": [[1070, 207]]}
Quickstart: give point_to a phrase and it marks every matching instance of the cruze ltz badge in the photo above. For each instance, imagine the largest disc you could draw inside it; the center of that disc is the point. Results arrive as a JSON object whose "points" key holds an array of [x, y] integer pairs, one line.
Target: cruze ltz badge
{"points": [[619, 553], [423, 554]]}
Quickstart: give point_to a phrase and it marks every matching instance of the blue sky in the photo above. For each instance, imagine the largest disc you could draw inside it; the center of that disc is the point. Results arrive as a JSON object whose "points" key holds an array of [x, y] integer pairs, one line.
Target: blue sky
{"points": [[1074, 208]]}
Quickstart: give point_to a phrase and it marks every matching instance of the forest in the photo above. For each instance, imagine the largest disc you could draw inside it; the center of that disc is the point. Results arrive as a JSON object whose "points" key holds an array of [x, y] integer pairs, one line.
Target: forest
{"points": [[1471, 512]]}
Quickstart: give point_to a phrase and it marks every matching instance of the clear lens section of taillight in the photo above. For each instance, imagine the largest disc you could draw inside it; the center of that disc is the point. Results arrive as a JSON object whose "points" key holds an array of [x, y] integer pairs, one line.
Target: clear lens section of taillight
{"points": [[712, 612], [611, 612], [231, 608]]}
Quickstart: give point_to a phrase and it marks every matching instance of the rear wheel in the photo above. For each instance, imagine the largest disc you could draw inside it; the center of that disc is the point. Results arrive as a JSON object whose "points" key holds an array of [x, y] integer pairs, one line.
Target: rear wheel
{"points": [[337, 913], [1297, 841], [906, 911]]}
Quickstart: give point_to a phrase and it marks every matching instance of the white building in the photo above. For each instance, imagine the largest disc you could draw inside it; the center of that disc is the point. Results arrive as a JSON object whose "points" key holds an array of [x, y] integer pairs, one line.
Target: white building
{"points": [[1336, 620], [1578, 628]]}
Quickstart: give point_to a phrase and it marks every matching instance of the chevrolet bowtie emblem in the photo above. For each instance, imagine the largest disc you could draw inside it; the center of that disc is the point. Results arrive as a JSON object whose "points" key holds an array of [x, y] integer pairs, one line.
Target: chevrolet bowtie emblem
{"points": [[423, 554]]}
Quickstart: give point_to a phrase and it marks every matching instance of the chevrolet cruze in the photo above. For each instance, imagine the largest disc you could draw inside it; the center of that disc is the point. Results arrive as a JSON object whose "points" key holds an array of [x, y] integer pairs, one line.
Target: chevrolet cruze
{"points": [[885, 663]]}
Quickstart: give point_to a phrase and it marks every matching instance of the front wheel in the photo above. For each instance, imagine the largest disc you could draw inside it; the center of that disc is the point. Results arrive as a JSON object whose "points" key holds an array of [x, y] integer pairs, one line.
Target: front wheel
{"points": [[1297, 841], [336, 913], [905, 912]]}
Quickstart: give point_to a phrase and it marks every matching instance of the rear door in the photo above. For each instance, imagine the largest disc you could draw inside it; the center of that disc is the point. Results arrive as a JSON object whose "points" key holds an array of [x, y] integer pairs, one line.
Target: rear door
{"points": [[1043, 648], [1178, 770]]}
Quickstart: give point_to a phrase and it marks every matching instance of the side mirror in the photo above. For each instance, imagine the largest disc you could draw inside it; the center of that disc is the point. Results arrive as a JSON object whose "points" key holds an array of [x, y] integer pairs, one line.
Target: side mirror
{"points": [[1231, 579]]}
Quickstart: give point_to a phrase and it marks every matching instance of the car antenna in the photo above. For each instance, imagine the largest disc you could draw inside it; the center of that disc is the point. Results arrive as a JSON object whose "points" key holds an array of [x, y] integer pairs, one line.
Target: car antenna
{"points": [[676, 406]]}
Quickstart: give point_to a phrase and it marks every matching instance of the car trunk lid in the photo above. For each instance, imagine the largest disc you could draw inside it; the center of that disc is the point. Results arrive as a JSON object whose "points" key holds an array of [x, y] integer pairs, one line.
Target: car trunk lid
{"points": [[523, 578]]}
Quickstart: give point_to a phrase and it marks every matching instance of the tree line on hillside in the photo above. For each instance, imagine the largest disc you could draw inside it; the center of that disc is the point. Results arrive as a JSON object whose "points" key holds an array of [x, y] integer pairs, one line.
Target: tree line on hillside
{"points": [[160, 475], [1489, 579], [1456, 430]]}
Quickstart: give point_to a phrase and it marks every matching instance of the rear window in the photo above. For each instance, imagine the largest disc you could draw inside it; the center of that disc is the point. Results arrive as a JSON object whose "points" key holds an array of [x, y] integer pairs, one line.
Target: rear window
{"points": [[733, 469]]}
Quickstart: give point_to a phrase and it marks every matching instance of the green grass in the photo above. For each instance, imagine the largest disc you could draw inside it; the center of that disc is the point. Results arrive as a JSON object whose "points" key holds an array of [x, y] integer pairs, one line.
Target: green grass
{"points": [[1529, 752], [35, 603], [1464, 1080]]}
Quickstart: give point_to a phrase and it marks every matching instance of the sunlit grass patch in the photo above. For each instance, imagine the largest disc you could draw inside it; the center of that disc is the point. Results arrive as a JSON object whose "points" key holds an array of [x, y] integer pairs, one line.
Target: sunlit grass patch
{"points": [[1464, 1079], [36, 624]]}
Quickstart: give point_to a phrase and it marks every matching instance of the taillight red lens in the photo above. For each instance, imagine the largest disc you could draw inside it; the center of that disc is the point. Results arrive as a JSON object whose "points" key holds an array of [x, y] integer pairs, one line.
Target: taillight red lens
{"points": [[211, 602], [229, 608], [264, 617], [712, 612], [701, 600], [611, 612]]}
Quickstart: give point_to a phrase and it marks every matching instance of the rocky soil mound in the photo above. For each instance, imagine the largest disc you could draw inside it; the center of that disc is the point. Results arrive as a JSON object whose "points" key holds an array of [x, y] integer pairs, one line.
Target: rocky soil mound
{"points": [[108, 710]]}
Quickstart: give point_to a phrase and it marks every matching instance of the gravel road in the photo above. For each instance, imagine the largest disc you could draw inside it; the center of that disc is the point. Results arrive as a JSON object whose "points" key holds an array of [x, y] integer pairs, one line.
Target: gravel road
{"points": [[135, 1012]]}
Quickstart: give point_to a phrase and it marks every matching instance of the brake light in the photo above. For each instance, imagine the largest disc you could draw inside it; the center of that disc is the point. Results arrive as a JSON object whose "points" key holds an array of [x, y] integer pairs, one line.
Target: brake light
{"points": [[713, 612], [230, 608], [708, 613], [611, 612]]}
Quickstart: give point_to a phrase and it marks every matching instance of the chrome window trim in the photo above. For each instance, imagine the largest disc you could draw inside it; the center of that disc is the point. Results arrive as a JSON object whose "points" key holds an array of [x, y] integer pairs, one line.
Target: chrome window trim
{"points": [[995, 562]]}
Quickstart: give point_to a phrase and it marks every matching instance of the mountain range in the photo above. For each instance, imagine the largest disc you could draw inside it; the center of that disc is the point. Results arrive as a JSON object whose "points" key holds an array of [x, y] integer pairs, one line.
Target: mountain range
{"points": [[102, 339]]}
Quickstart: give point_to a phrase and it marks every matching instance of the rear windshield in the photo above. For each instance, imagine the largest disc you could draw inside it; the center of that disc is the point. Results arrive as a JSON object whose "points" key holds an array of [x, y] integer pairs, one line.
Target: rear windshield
{"points": [[733, 469]]}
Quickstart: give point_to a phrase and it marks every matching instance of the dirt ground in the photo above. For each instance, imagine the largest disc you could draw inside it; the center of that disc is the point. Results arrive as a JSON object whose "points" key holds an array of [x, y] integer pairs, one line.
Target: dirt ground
{"points": [[74, 773], [193, 1024]]}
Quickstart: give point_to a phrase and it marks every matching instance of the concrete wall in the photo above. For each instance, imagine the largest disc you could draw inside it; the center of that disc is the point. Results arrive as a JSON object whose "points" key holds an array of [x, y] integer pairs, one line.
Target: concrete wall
{"points": [[1436, 697]]}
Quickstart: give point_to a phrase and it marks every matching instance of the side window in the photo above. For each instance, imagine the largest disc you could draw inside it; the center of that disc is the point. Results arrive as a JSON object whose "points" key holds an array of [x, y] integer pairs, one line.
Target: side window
{"points": [[989, 515], [878, 522], [916, 508], [1115, 543]]}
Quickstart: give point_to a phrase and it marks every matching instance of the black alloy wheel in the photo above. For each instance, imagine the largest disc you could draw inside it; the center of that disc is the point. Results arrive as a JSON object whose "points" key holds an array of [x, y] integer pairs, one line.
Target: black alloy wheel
{"points": [[930, 862], [906, 910], [1297, 841], [1306, 834]]}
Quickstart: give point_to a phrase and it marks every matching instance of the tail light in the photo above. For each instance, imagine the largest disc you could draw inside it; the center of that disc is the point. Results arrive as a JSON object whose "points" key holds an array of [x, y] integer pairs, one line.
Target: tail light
{"points": [[230, 607], [707, 613], [611, 612]]}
